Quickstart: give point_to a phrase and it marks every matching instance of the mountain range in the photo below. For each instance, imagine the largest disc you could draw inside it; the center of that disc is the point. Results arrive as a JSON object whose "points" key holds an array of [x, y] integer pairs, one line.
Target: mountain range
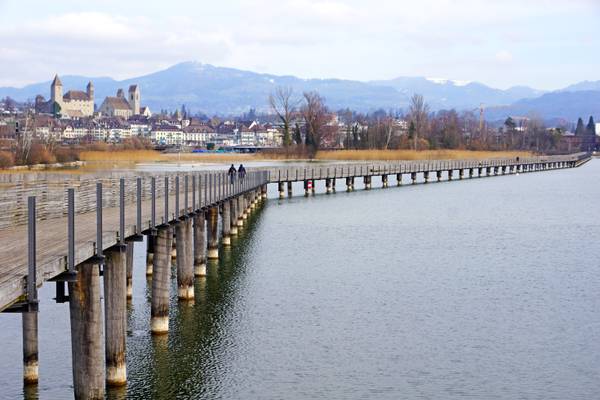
{"points": [[219, 90]]}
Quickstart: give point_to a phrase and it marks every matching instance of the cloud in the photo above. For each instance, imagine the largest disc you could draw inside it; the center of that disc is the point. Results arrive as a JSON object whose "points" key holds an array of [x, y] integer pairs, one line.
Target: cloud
{"points": [[504, 56]]}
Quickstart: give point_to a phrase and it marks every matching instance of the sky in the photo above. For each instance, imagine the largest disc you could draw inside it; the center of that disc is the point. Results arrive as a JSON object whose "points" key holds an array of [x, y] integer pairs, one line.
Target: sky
{"points": [[545, 44]]}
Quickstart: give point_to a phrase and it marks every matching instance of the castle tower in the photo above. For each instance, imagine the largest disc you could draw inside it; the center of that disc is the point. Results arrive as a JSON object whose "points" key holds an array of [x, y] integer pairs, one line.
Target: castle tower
{"points": [[134, 99], [56, 90], [90, 91]]}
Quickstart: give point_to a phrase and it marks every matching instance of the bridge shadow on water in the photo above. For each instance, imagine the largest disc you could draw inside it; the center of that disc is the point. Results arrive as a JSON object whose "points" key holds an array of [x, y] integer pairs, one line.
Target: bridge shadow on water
{"points": [[189, 361]]}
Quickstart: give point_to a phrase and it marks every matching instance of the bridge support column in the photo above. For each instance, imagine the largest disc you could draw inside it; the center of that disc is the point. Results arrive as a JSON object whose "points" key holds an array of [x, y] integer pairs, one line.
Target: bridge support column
{"points": [[470, 172], [426, 176], [280, 190], [226, 226], [496, 170], [384, 181], [240, 208], [438, 175], [233, 229], [327, 185], [314, 187], [367, 182], [129, 268], [289, 189], [333, 184], [213, 232], [86, 333], [263, 192], [150, 239], [399, 179], [115, 313], [461, 174], [30, 347], [185, 260], [348, 184], [174, 246], [479, 172], [488, 171], [200, 244], [413, 177], [306, 189], [450, 172], [159, 323], [503, 169]]}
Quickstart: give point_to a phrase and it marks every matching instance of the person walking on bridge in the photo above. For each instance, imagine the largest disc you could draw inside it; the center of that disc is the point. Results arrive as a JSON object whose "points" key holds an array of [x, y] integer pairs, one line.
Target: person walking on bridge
{"points": [[241, 171], [232, 172]]}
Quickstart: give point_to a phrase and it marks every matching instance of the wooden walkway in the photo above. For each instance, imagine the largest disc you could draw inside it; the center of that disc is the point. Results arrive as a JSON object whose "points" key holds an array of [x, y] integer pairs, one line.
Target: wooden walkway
{"points": [[212, 188]]}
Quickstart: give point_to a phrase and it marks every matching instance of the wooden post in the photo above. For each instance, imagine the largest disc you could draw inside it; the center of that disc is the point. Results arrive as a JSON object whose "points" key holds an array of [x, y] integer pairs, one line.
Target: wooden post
{"points": [[30, 347], [226, 225], [115, 315], [213, 231], [129, 263], [86, 333], [289, 189], [200, 244], [185, 260], [160, 280]]}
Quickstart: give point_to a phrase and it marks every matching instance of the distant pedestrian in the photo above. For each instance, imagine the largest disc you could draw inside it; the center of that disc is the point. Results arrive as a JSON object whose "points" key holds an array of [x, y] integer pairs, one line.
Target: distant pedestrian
{"points": [[241, 171], [232, 172]]}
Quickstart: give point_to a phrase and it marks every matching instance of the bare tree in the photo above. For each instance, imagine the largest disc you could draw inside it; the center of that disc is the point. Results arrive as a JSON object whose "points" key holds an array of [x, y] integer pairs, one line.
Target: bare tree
{"points": [[316, 117], [24, 139], [283, 105], [418, 113]]}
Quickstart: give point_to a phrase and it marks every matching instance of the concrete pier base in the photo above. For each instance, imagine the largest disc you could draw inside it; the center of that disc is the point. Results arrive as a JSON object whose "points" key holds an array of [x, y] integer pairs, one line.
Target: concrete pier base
{"points": [[399, 179], [413, 177], [438, 175], [328, 189], [30, 347], [367, 182], [226, 226], [185, 260], [461, 174], [470, 172], [426, 176], [280, 190], [159, 323], [384, 181], [289, 189], [450, 173], [212, 233], [86, 333], [115, 314]]}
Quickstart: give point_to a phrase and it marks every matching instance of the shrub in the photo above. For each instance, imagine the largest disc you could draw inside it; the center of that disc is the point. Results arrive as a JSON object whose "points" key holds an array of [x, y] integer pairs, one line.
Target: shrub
{"points": [[38, 154], [66, 154], [7, 159]]}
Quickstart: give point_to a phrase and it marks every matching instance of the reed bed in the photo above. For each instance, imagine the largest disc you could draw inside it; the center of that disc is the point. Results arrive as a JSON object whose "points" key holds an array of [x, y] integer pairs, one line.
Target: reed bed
{"points": [[385, 155]]}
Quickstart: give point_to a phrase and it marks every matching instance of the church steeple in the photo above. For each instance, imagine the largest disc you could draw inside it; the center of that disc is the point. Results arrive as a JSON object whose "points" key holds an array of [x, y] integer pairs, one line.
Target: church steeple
{"points": [[56, 90]]}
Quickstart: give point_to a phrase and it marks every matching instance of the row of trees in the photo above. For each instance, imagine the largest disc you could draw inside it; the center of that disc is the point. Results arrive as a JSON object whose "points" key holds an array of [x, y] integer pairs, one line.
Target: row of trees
{"points": [[419, 128]]}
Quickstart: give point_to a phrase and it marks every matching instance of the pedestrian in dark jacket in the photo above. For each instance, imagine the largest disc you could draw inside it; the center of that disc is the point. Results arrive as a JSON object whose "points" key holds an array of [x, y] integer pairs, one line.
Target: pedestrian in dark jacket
{"points": [[232, 172]]}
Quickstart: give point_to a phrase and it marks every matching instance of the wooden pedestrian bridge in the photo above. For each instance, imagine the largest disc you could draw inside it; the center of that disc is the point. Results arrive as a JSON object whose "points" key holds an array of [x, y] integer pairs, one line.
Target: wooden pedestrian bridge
{"points": [[74, 229]]}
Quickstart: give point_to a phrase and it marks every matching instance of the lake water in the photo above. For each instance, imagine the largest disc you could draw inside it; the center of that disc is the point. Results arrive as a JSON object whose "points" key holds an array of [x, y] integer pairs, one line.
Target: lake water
{"points": [[486, 289]]}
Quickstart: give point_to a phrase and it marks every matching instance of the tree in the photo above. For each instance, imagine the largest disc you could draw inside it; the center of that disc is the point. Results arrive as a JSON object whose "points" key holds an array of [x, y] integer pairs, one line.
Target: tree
{"points": [[315, 117], [297, 134], [591, 127], [418, 113], [283, 105], [580, 130]]}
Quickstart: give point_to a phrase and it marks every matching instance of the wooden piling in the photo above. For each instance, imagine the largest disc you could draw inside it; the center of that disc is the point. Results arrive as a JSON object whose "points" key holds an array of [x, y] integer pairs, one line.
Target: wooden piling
{"points": [[200, 244], [150, 239], [115, 313], [185, 260], [30, 347], [213, 231], [233, 229], [160, 280], [86, 333], [289, 189], [226, 226], [129, 263]]}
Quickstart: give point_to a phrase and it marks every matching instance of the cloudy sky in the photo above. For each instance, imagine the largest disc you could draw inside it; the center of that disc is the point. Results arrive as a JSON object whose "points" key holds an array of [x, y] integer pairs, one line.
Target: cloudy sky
{"points": [[546, 44]]}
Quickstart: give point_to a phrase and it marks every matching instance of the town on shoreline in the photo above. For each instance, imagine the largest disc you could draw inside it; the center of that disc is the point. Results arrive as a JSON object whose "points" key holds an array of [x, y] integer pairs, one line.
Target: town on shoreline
{"points": [[296, 126]]}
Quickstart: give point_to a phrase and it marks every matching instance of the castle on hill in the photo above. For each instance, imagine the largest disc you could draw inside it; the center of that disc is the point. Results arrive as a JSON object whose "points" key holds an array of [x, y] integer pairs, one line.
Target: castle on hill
{"points": [[77, 103]]}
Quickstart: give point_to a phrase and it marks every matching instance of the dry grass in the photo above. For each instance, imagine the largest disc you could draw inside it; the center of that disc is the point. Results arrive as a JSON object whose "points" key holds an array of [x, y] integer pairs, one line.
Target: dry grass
{"points": [[358, 155]]}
